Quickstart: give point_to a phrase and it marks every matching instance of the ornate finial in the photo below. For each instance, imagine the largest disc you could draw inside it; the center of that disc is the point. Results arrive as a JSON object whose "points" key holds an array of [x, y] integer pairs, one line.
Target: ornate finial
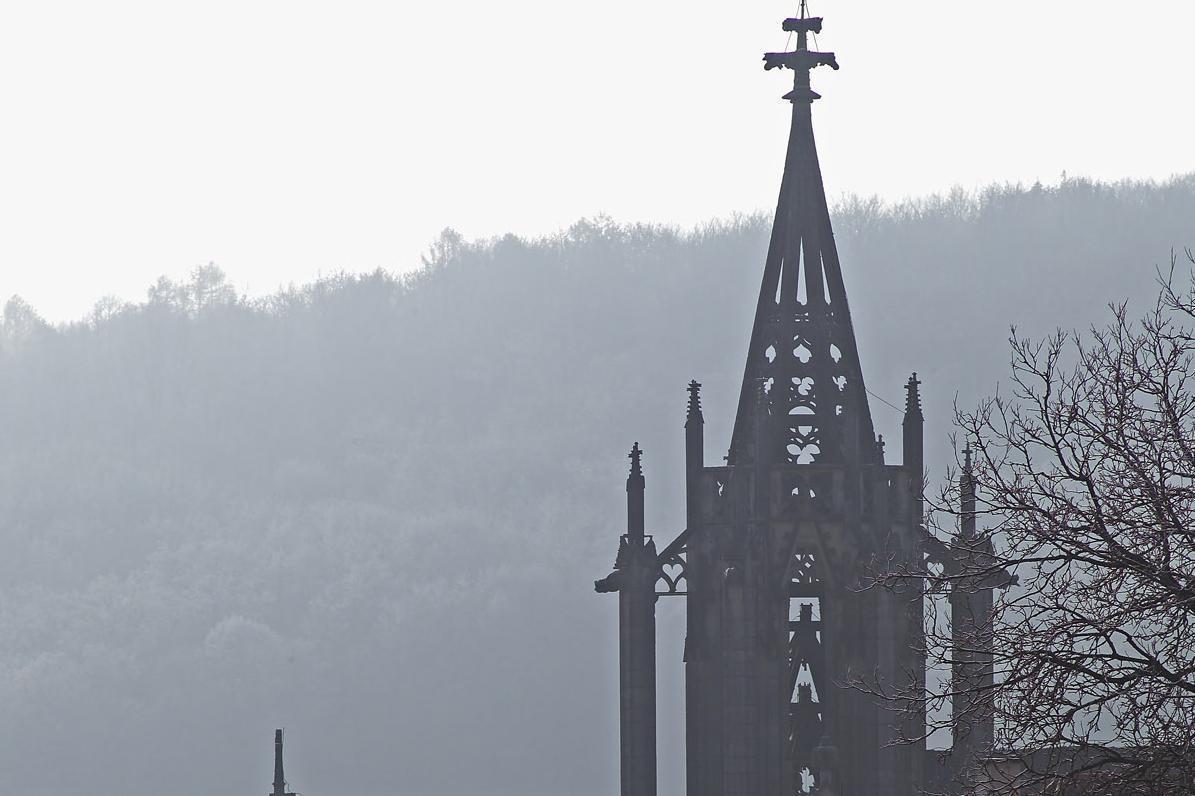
{"points": [[636, 457], [694, 399], [968, 470], [913, 400], [802, 60], [880, 445]]}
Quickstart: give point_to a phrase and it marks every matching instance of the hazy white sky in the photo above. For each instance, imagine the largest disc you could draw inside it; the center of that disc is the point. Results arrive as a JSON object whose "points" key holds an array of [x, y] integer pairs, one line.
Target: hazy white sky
{"points": [[282, 140]]}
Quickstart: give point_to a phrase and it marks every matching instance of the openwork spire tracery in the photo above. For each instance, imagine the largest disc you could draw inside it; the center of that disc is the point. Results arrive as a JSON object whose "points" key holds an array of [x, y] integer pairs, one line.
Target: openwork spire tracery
{"points": [[803, 349], [777, 543]]}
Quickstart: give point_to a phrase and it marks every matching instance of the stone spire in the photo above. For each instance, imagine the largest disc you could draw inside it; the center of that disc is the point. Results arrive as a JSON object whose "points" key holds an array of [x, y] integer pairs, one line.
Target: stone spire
{"points": [[279, 774], [967, 525], [914, 447], [803, 345], [974, 578], [694, 454], [636, 484], [694, 414]]}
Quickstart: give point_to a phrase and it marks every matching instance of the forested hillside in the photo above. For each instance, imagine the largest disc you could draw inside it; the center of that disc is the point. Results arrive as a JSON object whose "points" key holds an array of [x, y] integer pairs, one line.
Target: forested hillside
{"points": [[372, 509]]}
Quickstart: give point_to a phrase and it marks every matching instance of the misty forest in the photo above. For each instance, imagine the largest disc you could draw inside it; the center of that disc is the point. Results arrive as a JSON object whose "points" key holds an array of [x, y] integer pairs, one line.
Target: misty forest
{"points": [[371, 509]]}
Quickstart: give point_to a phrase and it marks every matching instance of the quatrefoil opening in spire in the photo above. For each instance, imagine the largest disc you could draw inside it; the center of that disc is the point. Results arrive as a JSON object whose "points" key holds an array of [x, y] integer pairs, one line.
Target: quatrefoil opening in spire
{"points": [[803, 348]]}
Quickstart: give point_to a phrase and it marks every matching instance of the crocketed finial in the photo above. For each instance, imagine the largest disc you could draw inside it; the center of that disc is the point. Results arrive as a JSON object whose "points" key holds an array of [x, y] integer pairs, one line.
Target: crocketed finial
{"points": [[636, 457], [694, 399], [913, 399]]}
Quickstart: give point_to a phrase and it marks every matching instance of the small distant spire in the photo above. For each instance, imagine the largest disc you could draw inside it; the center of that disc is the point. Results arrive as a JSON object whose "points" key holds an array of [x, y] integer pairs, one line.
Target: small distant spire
{"points": [[967, 497], [636, 485], [880, 446], [913, 399], [694, 400], [279, 774]]}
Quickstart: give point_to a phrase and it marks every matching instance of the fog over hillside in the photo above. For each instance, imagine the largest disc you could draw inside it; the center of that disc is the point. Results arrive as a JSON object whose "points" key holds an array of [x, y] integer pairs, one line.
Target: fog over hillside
{"points": [[372, 509]]}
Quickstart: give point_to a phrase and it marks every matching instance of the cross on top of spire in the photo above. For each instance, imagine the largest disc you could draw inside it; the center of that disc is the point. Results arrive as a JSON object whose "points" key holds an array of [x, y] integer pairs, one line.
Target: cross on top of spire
{"points": [[803, 375], [802, 60]]}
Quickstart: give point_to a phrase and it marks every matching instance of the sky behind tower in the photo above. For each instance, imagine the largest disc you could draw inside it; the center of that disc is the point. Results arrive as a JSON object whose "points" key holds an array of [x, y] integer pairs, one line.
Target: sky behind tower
{"points": [[285, 140]]}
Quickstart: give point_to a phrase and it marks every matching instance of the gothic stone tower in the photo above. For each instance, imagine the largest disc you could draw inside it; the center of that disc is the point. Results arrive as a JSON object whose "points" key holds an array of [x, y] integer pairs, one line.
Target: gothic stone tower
{"points": [[781, 543]]}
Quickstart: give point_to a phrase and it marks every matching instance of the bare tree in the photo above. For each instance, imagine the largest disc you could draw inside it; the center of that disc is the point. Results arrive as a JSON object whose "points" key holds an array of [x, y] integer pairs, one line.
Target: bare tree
{"points": [[1085, 482]]}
